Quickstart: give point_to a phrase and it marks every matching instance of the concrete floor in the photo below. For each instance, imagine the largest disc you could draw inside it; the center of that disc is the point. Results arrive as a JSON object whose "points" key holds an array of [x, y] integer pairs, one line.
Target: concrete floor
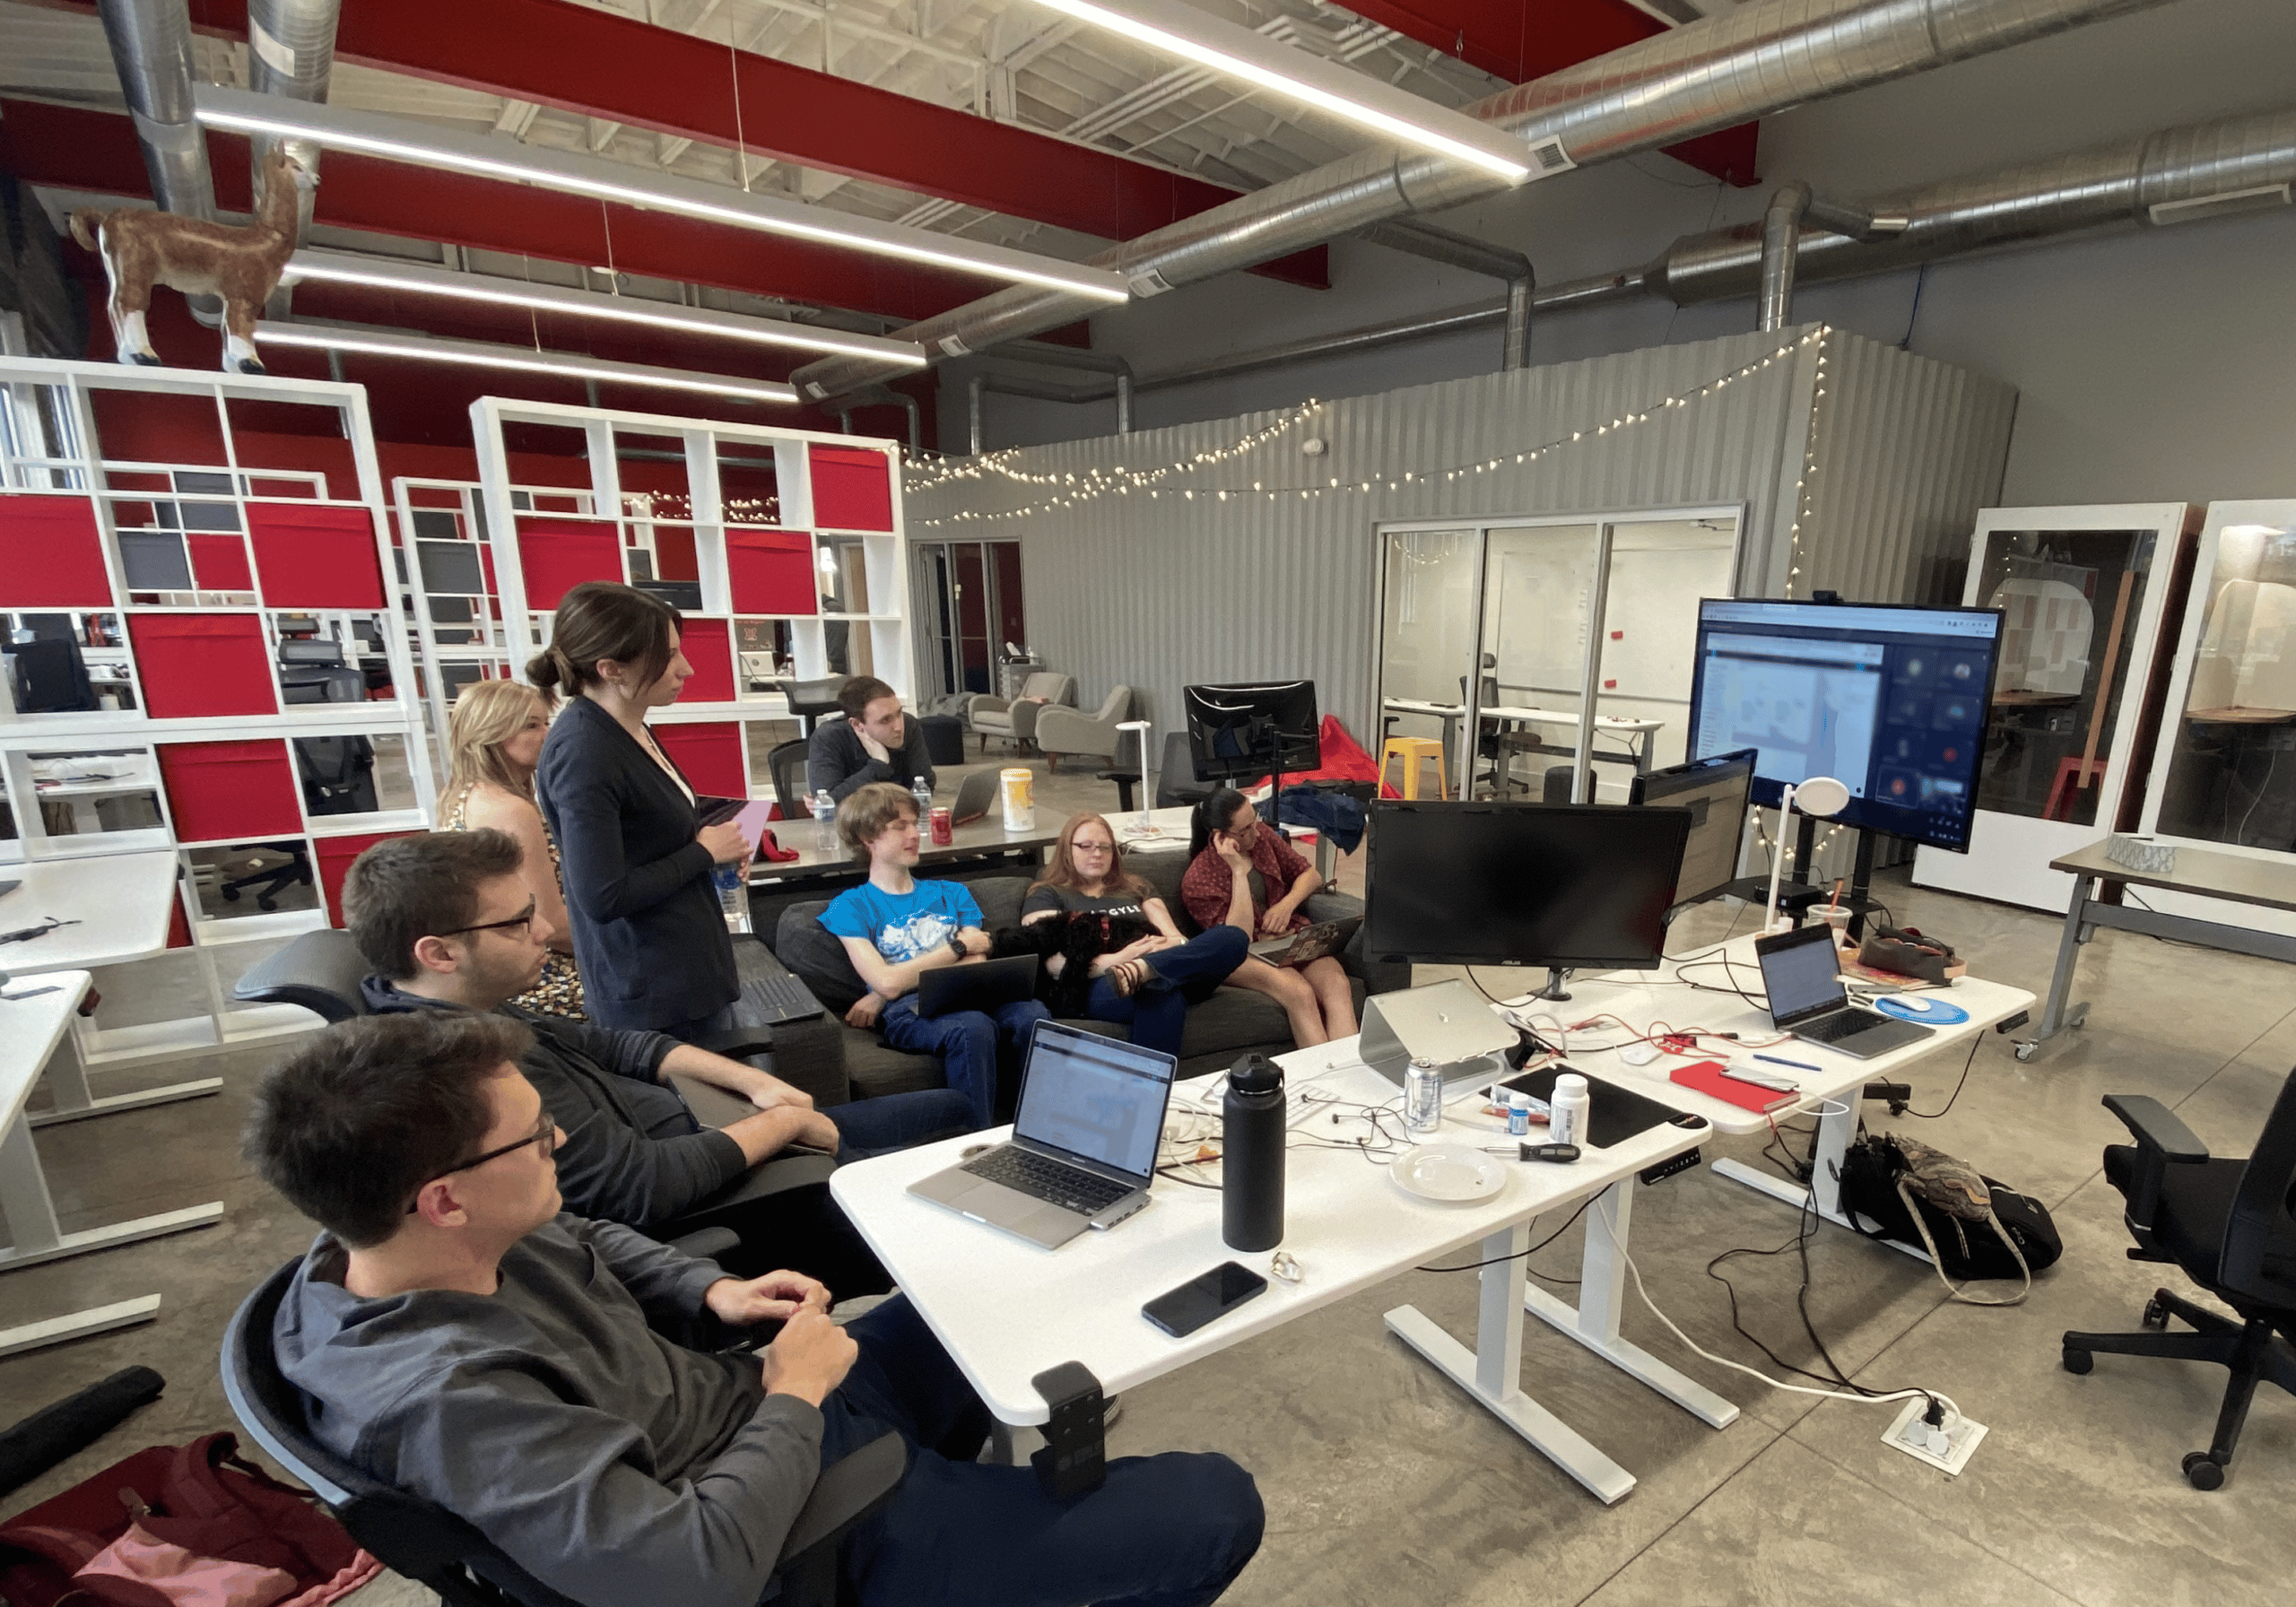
{"points": [[1380, 1478]]}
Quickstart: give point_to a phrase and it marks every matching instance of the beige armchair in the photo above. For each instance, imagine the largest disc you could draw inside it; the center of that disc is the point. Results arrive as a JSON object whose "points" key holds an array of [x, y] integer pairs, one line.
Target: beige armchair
{"points": [[1016, 721], [1067, 731]]}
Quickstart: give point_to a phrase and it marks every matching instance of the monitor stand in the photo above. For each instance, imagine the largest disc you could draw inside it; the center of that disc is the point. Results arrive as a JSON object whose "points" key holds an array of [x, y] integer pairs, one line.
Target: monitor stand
{"points": [[1555, 976]]}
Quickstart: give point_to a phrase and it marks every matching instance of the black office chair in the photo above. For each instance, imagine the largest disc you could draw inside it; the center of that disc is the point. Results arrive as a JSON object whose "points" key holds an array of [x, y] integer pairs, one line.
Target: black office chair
{"points": [[1176, 779], [785, 763], [337, 774], [810, 701], [312, 670], [52, 677], [319, 970], [270, 881], [2228, 1225], [433, 1547]]}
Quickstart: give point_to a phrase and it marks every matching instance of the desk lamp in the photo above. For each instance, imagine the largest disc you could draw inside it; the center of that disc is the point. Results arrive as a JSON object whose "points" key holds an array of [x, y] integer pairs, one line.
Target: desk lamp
{"points": [[1819, 797], [1141, 727]]}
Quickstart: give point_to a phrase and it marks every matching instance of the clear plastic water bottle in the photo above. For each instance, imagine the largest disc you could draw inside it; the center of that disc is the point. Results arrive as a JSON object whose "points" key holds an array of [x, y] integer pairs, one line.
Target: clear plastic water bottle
{"points": [[923, 796], [733, 894], [825, 821]]}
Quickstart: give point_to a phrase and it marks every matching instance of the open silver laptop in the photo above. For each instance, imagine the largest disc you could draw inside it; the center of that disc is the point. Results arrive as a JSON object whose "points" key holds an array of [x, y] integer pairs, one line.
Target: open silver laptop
{"points": [[1083, 1146]]}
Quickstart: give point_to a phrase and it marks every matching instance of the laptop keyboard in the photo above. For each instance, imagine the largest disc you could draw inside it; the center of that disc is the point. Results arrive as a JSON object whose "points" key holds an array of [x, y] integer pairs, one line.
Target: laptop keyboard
{"points": [[769, 999], [1048, 1179], [1842, 1024]]}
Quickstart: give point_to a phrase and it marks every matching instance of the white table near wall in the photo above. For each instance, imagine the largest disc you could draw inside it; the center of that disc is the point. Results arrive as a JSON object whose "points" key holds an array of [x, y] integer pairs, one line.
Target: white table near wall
{"points": [[34, 1015]]}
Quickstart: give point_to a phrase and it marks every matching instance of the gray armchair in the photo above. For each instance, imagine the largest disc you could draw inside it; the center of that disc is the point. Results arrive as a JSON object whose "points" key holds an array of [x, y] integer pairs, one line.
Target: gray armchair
{"points": [[1063, 731], [1014, 720]]}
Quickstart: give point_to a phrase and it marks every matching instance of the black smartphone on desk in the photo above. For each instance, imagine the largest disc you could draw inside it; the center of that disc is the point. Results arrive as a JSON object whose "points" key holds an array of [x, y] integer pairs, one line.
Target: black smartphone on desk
{"points": [[1182, 1311]]}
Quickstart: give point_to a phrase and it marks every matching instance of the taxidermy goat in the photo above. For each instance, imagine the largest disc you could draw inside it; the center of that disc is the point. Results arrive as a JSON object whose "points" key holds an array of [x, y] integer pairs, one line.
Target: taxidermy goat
{"points": [[239, 266]]}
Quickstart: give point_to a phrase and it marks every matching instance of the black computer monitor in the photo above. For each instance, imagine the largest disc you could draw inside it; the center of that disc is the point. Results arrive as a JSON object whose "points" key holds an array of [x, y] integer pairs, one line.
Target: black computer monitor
{"points": [[1716, 791], [1888, 698], [1559, 885], [1238, 731]]}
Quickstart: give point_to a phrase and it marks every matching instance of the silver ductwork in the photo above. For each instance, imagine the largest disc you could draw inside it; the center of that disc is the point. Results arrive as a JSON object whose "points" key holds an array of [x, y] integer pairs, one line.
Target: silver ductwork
{"points": [[1762, 58], [291, 52], [1476, 256], [151, 47]]}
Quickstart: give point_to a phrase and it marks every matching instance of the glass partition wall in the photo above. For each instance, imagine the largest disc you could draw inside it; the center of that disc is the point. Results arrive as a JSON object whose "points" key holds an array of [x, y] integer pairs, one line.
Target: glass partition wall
{"points": [[1498, 637]]}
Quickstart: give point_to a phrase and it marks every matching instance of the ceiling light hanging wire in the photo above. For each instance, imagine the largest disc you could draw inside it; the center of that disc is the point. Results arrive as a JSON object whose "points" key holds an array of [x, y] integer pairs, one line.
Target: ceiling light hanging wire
{"points": [[734, 71]]}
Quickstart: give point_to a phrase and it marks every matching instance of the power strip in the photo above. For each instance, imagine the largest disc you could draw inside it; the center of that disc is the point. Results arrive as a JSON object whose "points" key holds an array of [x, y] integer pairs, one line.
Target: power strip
{"points": [[1947, 1448]]}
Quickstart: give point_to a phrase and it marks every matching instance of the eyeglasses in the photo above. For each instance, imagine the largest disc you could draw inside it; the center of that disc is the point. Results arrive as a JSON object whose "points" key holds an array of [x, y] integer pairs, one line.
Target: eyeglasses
{"points": [[545, 1131], [1092, 847], [524, 917]]}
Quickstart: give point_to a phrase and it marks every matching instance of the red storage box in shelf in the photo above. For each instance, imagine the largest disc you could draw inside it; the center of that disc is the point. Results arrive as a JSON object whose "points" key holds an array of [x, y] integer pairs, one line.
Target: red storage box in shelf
{"points": [[853, 488], [335, 855], [315, 555], [231, 792], [710, 752], [710, 651], [556, 555], [202, 664], [51, 554], [771, 572], [219, 563]]}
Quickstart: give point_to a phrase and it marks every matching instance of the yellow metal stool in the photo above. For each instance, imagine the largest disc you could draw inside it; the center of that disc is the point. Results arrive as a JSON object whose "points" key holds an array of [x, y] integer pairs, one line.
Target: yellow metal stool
{"points": [[1414, 752]]}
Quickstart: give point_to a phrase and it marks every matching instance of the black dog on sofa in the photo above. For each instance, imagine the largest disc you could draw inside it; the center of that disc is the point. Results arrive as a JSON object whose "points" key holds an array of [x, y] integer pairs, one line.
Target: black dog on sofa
{"points": [[1079, 939]]}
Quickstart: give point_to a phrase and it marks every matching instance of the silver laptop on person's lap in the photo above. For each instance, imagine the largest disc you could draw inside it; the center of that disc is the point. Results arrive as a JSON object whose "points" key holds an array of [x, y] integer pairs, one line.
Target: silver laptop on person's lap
{"points": [[1083, 1146]]}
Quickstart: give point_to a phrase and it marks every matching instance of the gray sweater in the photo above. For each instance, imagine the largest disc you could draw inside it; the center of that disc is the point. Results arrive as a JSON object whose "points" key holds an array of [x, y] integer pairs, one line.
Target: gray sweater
{"points": [[836, 760], [615, 1466]]}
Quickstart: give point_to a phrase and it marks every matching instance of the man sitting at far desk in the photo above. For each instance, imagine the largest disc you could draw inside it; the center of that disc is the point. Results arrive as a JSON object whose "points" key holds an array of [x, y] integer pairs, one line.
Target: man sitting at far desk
{"points": [[447, 920], [876, 742], [464, 1342], [895, 928]]}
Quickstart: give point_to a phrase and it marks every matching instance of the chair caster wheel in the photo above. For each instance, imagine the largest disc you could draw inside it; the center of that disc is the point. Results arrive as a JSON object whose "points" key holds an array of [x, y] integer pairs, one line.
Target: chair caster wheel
{"points": [[2156, 1313], [2077, 1360], [231, 895], [2204, 1471], [2024, 1051]]}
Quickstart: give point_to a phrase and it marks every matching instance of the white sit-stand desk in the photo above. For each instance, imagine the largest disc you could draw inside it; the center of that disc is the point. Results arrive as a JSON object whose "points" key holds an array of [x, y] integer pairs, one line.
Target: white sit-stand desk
{"points": [[1641, 998], [32, 1023], [1007, 1311], [118, 907], [1637, 734]]}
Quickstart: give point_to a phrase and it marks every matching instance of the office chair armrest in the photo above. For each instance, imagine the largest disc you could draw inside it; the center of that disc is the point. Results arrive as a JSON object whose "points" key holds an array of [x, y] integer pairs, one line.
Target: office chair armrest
{"points": [[707, 1244], [741, 1042], [810, 1055], [2156, 1129], [847, 1491]]}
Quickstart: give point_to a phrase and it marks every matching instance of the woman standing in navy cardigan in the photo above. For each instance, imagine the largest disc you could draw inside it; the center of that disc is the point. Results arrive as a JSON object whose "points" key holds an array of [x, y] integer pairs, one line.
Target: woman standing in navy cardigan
{"points": [[648, 931]]}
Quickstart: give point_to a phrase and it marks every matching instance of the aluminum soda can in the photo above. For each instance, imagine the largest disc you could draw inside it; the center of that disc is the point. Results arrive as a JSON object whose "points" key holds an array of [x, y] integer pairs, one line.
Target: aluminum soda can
{"points": [[944, 831], [1423, 1097]]}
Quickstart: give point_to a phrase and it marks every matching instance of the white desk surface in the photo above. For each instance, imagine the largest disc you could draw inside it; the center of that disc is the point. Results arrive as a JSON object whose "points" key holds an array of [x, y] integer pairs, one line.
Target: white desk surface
{"points": [[1008, 1310], [122, 902], [30, 1030], [1512, 711], [1642, 997]]}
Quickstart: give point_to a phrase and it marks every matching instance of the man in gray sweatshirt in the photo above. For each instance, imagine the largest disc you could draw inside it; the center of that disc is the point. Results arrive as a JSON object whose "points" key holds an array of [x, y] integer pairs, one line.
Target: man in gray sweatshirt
{"points": [[874, 741], [465, 1341]]}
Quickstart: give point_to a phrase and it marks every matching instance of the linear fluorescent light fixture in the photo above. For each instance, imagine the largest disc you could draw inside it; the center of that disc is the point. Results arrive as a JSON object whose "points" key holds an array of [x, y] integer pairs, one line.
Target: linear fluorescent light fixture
{"points": [[1235, 51], [487, 156], [483, 354], [421, 279]]}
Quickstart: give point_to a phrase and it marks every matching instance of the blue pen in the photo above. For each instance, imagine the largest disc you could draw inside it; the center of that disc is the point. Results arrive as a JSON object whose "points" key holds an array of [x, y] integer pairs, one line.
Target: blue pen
{"points": [[1799, 1065]]}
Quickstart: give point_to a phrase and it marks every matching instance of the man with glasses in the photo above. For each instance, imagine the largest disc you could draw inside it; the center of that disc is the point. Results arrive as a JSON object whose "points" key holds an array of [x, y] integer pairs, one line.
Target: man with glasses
{"points": [[447, 921], [463, 1341]]}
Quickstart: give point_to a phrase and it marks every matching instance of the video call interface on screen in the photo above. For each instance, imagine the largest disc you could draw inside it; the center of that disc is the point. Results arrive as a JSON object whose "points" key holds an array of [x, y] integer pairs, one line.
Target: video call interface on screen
{"points": [[1890, 701], [1097, 1100]]}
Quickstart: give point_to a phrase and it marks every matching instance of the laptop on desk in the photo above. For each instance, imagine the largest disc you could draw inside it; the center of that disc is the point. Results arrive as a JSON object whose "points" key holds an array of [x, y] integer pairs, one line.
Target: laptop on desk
{"points": [[1083, 1146], [1800, 973]]}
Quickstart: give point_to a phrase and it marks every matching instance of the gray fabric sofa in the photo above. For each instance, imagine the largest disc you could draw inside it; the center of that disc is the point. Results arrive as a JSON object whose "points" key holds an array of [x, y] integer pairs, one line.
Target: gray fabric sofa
{"points": [[1232, 1022]]}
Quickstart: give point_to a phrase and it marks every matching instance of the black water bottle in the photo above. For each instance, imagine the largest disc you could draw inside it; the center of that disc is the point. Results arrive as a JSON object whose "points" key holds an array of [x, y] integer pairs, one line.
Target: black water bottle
{"points": [[1251, 1155]]}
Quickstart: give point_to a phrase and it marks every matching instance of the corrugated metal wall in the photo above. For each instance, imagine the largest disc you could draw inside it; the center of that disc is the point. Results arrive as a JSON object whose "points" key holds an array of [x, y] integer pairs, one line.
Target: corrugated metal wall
{"points": [[1155, 594]]}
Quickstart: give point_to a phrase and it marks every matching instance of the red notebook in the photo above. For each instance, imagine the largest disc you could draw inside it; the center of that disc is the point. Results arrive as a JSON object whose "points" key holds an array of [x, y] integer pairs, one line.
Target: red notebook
{"points": [[1706, 1076]]}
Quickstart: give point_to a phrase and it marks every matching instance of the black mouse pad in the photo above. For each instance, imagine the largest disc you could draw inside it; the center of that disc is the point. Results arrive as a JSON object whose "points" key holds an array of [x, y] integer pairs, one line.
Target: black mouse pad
{"points": [[1614, 1114]]}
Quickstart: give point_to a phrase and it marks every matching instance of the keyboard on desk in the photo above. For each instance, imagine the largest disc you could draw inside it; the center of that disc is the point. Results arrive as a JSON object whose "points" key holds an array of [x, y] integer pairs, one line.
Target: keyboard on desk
{"points": [[1832, 1029], [768, 1000], [1083, 1192]]}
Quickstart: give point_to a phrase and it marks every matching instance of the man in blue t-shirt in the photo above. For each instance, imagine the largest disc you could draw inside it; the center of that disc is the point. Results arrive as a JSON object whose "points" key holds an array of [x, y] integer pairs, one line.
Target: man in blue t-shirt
{"points": [[895, 928]]}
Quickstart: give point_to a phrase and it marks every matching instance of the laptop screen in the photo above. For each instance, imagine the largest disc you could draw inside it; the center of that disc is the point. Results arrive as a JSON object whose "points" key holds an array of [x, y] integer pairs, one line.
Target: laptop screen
{"points": [[1095, 1097], [1800, 973]]}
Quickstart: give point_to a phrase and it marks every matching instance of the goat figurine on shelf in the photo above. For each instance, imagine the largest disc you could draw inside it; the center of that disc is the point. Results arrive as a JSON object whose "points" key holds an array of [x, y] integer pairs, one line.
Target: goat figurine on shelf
{"points": [[239, 266]]}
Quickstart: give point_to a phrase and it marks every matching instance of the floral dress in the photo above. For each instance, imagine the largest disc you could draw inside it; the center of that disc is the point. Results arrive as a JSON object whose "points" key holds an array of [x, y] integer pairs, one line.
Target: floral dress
{"points": [[559, 990]]}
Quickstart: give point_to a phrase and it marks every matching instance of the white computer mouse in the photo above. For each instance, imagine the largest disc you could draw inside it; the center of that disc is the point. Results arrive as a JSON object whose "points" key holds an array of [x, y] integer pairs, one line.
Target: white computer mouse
{"points": [[1639, 1054], [1914, 1002]]}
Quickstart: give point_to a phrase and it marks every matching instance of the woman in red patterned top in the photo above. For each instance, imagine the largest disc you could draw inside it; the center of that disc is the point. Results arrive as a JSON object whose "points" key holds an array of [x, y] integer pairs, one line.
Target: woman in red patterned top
{"points": [[1228, 844]]}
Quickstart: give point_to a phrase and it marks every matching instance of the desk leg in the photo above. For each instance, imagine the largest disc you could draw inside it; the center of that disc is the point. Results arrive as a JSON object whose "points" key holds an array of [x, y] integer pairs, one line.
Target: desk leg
{"points": [[1835, 1130], [1602, 1295], [67, 1080], [1492, 1370], [2060, 1014]]}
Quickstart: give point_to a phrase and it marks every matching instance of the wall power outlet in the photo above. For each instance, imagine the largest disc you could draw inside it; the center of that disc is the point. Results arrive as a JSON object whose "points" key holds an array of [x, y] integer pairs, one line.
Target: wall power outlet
{"points": [[1948, 1448]]}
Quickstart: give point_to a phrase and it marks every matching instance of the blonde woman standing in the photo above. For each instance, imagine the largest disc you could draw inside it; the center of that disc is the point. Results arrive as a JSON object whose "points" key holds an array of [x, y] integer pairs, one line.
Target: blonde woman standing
{"points": [[496, 730]]}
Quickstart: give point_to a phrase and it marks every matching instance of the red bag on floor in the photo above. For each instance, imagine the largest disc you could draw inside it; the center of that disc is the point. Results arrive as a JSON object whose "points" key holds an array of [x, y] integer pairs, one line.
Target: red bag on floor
{"points": [[179, 1525]]}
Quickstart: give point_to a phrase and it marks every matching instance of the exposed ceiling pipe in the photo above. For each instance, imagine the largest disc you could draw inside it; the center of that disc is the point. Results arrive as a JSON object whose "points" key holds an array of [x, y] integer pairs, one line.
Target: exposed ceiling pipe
{"points": [[1761, 58], [291, 52], [1476, 256], [1013, 384], [884, 395], [151, 47], [2178, 175], [1781, 243]]}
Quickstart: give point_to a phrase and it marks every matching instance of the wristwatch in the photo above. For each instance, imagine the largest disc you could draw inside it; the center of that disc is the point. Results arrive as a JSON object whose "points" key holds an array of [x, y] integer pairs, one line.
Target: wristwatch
{"points": [[957, 944]]}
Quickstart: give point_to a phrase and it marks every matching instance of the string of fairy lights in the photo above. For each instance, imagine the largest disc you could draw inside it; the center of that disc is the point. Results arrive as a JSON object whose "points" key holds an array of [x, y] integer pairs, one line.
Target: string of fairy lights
{"points": [[1077, 488]]}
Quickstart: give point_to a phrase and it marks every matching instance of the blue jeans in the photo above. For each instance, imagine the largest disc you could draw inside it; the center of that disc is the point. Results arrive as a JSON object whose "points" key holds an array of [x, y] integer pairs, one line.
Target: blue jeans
{"points": [[1168, 1531], [969, 1043], [890, 1122], [1192, 970]]}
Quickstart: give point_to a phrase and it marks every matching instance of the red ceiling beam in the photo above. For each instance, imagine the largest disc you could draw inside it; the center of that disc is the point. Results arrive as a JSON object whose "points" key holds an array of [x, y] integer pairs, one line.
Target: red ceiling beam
{"points": [[622, 70], [1522, 39]]}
